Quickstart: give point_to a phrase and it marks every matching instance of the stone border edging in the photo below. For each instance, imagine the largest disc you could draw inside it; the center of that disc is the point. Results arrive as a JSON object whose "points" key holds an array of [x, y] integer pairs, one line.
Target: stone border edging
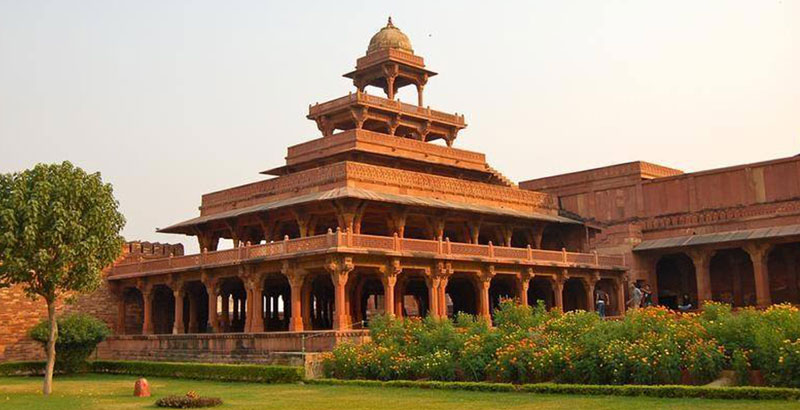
{"points": [[662, 391]]}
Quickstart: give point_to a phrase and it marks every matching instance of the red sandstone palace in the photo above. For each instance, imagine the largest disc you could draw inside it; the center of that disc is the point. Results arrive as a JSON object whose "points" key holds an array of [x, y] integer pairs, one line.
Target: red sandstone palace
{"points": [[376, 217]]}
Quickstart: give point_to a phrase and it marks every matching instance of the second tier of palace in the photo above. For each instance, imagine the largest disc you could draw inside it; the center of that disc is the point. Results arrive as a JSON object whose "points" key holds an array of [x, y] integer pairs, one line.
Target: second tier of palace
{"points": [[374, 217]]}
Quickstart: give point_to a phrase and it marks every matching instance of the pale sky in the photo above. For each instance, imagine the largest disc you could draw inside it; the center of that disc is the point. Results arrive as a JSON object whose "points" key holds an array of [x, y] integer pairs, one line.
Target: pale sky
{"points": [[172, 99]]}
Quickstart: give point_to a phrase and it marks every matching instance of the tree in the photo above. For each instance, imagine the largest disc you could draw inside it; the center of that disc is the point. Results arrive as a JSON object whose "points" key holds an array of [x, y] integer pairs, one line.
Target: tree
{"points": [[59, 228]]}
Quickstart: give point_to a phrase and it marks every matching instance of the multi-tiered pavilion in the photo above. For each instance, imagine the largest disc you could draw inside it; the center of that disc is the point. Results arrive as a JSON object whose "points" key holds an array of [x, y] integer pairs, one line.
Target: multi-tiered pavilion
{"points": [[376, 216]]}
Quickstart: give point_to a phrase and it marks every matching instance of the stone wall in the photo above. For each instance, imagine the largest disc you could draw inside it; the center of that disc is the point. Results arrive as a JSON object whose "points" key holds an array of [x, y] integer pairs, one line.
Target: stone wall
{"points": [[19, 313]]}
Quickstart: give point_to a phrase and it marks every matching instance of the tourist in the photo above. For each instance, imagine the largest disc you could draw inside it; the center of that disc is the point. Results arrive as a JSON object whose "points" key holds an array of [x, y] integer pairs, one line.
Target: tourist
{"points": [[647, 299], [636, 296], [600, 303]]}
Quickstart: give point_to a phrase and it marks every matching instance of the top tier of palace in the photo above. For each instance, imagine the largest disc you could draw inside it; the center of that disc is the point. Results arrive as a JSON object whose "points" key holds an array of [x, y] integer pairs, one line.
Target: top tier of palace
{"points": [[374, 150]]}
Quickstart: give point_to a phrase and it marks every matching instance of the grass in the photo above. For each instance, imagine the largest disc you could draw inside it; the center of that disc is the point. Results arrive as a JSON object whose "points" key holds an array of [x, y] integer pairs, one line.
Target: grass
{"points": [[108, 391]]}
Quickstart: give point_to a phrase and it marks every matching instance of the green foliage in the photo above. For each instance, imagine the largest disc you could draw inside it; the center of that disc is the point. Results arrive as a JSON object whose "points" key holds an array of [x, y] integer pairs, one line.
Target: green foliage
{"points": [[59, 227], [649, 346], [207, 371], [22, 368], [78, 335], [188, 401], [674, 391]]}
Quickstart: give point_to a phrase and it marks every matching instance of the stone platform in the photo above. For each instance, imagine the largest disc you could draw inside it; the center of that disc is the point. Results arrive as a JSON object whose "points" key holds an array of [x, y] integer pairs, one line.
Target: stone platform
{"points": [[280, 348]]}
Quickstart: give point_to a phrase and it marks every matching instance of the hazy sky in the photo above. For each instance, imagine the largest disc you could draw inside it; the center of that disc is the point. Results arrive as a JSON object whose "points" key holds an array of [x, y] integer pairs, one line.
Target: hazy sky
{"points": [[171, 99]]}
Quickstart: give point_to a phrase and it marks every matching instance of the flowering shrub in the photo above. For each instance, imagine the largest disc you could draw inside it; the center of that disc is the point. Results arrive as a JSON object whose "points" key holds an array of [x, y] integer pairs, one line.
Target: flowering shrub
{"points": [[531, 345]]}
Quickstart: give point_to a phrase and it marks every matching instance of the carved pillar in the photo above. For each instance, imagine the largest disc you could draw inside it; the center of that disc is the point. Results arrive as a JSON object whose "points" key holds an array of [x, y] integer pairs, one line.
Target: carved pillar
{"points": [[620, 285], [211, 289], [702, 265], [523, 283], [558, 290], [474, 228], [389, 279], [147, 299], [296, 278], [255, 302], [591, 283], [442, 296], [758, 255], [506, 232], [432, 281], [397, 221], [485, 282], [226, 312], [177, 326], [339, 268]]}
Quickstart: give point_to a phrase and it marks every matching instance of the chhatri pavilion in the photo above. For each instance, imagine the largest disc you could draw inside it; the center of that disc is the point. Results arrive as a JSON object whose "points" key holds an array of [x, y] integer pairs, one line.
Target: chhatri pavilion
{"points": [[372, 217]]}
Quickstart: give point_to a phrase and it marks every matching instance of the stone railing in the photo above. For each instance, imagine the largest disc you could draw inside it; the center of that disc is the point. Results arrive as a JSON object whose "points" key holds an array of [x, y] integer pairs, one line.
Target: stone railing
{"points": [[380, 102], [383, 55], [343, 242]]}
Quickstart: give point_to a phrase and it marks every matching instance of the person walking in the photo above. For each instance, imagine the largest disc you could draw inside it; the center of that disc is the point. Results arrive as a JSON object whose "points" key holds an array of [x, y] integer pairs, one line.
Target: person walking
{"points": [[635, 301]]}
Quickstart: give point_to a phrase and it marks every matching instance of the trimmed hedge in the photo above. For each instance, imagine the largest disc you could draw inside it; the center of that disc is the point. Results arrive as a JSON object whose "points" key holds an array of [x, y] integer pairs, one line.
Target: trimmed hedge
{"points": [[204, 371], [666, 391], [22, 368]]}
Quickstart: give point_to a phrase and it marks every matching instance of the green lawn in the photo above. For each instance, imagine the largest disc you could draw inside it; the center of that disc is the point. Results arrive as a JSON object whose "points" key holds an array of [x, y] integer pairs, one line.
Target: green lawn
{"points": [[107, 392]]}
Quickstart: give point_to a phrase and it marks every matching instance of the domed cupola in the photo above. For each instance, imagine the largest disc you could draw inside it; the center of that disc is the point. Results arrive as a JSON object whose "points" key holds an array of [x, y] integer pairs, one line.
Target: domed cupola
{"points": [[389, 37]]}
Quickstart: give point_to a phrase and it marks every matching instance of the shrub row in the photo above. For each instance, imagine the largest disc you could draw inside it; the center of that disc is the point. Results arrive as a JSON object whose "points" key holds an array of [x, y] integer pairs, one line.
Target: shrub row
{"points": [[22, 368], [664, 391], [652, 346], [205, 371]]}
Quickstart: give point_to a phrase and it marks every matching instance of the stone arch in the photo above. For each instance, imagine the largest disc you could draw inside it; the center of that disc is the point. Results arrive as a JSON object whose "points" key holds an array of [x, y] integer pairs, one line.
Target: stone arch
{"points": [[318, 302], [783, 269], [276, 302], [541, 288], [163, 310], [133, 310], [502, 287], [195, 308], [732, 278], [366, 296], [575, 295], [676, 281], [462, 294], [232, 305], [413, 295]]}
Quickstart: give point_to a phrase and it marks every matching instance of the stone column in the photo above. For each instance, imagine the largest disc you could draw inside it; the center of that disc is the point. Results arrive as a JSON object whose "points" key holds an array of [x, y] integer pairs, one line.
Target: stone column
{"points": [[702, 265], [256, 316], [389, 280], [433, 295], [442, 296], [591, 282], [211, 289], [177, 326], [226, 312], [620, 289], [758, 255], [193, 302], [339, 267], [147, 299], [523, 283], [485, 282], [558, 290], [296, 280]]}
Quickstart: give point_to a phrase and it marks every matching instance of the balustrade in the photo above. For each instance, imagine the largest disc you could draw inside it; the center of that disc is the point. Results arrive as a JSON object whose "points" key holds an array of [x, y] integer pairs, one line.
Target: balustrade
{"points": [[343, 240]]}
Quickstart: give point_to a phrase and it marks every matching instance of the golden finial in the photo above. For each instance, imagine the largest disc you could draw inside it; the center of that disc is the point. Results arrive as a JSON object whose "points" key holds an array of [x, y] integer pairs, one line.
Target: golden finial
{"points": [[389, 23]]}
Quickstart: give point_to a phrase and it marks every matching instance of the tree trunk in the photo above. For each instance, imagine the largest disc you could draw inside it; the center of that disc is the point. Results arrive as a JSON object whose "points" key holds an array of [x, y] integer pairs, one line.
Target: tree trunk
{"points": [[51, 347]]}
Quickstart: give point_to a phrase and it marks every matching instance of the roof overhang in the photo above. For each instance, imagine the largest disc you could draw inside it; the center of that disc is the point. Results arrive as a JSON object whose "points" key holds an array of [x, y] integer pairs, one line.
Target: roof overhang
{"points": [[718, 238], [185, 227]]}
